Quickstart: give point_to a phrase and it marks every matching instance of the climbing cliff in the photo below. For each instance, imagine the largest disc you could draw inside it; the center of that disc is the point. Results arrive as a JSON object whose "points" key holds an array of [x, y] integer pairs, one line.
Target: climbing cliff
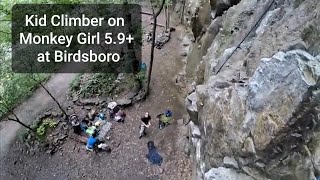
{"points": [[254, 102]]}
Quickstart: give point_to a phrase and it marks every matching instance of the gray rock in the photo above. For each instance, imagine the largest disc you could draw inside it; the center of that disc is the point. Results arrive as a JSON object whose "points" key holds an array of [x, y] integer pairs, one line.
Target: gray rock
{"points": [[130, 95], [196, 133], [222, 173], [75, 99], [87, 107], [242, 162], [278, 87], [48, 113], [190, 88], [221, 85], [260, 165], [230, 162], [124, 102], [120, 76], [253, 173], [191, 104], [88, 102], [184, 54], [248, 146], [49, 151], [270, 17], [55, 114]]}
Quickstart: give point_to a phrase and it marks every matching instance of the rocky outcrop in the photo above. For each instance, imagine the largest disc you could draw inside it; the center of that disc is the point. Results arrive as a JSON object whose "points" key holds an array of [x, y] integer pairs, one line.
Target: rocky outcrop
{"points": [[222, 173], [257, 89]]}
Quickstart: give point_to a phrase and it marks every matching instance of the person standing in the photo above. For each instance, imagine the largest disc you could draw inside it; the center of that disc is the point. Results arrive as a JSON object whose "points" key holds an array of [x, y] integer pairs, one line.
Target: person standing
{"points": [[145, 123]]}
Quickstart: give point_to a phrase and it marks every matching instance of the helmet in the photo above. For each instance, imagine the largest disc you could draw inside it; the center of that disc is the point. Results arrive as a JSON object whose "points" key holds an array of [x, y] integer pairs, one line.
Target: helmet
{"points": [[168, 113], [102, 116]]}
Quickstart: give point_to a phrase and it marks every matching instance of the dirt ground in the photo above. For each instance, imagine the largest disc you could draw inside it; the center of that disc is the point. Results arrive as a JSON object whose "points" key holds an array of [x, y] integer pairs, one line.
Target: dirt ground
{"points": [[127, 159]]}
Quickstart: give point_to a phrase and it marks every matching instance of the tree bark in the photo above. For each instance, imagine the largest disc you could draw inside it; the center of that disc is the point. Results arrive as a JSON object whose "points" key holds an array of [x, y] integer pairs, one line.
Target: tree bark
{"points": [[169, 16], [166, 16], [155, 15]]}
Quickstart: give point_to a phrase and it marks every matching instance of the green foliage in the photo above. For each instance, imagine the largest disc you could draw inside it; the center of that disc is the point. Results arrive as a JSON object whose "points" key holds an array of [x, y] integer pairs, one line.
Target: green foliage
{"points": [[13, 86], [45, 125], [128, 83], [105, 84], [93, 84], [75, 83], [140, 76]]}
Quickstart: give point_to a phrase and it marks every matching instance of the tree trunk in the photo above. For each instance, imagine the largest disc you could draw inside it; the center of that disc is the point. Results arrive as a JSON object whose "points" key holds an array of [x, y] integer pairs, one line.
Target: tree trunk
{"points": [[153, 44], [166, 16]]}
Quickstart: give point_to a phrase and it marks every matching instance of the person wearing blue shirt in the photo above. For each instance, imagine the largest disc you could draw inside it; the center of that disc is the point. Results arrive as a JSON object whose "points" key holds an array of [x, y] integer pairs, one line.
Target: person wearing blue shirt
{"points": [[91, 142]]}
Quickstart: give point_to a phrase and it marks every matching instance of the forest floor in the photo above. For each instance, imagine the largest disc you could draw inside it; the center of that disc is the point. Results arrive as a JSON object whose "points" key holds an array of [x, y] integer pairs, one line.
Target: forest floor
{"points": [[127, 160]]}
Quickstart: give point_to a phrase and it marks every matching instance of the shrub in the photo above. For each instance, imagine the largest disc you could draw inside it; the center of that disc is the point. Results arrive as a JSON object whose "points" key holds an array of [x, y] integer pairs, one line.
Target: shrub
{"points": [[45, 125]]}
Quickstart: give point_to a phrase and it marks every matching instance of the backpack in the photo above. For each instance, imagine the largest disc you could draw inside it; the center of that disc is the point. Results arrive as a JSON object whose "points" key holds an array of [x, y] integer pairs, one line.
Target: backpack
{"points": [[168, 113]]}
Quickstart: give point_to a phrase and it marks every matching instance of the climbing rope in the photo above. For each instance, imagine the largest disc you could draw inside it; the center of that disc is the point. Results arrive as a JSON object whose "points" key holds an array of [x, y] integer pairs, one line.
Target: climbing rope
{"points": [[218, 70]]}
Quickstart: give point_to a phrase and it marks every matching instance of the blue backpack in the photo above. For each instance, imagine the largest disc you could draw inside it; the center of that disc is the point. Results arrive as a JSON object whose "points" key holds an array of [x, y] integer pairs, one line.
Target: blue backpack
{"points": [[168, 113]]}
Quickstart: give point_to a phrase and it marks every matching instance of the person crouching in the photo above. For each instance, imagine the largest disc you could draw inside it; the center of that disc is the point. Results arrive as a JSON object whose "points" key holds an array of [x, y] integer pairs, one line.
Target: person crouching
{"points": [[92, 141]]}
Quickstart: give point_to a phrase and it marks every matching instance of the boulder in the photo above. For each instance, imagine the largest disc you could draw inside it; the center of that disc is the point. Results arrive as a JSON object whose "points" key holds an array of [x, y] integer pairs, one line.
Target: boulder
{"points": [[124, 102], [277, 90], [222, 173]]}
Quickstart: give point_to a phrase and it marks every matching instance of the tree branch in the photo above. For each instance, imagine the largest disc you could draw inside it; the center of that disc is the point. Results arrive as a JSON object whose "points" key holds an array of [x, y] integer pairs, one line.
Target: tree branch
{"points": [[161, 7]]}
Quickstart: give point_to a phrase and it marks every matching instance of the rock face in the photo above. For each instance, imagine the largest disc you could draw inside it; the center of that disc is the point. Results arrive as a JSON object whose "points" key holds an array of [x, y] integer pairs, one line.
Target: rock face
{"points": [[222, 173], [276, 90], [258, 97], [191, 104]]}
